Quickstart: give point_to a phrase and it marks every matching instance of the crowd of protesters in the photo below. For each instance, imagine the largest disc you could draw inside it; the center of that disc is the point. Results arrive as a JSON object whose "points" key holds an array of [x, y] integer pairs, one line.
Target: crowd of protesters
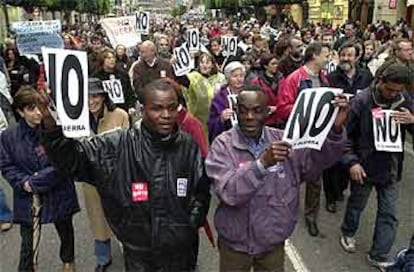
{"points": [[175, 132]]}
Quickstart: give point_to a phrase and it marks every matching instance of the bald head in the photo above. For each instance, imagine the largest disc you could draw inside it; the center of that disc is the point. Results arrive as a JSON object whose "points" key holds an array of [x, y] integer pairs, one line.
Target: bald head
{"points": [[147, 51]]}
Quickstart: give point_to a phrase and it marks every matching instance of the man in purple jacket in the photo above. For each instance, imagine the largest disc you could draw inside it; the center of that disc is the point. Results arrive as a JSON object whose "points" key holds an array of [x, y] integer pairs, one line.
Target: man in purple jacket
{"points": [[257, 177]]}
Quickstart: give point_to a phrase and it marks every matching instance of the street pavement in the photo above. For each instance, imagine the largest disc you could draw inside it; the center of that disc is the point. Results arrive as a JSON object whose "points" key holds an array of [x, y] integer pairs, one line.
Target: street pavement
{"points": [[321, 254]]}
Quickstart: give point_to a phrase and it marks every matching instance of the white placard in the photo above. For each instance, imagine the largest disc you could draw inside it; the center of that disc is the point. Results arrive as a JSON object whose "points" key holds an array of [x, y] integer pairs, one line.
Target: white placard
{"points": [[193, 40], [67, 77], [142, 22], [121, 30], [229, 45], [33, 35], [114, 89], [387, 132], [232, 100], [311, 118], [183, 61]]}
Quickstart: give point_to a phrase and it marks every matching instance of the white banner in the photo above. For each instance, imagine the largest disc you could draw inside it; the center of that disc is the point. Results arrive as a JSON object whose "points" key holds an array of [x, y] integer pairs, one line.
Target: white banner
{"points": [[387, 132], [33, 35], [183, 61], [193, 40], [311, 118], [121, 30], [114, 89], [229, 45], [142, 20], [232, 100], [67, 77]]}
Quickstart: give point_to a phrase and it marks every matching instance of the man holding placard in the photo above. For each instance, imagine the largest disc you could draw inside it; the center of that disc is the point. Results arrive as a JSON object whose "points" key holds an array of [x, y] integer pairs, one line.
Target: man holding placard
{"points": [[257, 178], [379, 117]]}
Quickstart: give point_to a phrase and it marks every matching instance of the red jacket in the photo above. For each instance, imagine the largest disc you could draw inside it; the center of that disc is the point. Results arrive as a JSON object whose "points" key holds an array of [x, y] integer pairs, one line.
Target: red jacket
{"points": [[266, 86], [292, 85]]}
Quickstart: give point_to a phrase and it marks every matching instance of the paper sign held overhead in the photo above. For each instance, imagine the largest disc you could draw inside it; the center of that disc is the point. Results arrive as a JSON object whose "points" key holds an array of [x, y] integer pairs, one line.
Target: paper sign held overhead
{"points": [[193, 40], [387, 132], [142, 22], [183, 61], [311, 118], [121, 30], [114, 89], [229, 45], [67, 76]]}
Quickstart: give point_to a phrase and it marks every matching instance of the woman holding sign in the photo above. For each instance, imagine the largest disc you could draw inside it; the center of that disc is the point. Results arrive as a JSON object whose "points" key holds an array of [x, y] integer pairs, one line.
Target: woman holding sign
{"points": [[107, 71], [203, 84], [222, 111]]}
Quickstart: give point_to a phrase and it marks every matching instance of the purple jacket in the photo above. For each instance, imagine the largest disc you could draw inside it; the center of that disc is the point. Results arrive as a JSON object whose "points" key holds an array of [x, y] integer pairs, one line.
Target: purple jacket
{"points": [[218, 105], [258, 208]]}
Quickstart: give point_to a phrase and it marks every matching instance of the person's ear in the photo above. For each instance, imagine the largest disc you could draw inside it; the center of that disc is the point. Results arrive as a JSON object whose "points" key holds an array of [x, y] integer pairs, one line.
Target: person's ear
{"points": [[20, 112]]}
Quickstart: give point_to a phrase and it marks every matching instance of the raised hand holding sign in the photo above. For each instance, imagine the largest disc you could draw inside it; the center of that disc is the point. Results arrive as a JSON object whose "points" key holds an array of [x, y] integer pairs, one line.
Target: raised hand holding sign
{"points": [[64, 69]]}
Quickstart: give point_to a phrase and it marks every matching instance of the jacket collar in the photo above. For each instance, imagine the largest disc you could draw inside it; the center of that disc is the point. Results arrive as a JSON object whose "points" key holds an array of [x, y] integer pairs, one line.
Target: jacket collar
{"points": [[239, 139]]}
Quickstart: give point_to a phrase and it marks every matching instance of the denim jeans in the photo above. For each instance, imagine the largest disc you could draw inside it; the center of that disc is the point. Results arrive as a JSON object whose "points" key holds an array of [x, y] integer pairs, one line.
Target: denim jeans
{"points": [[103, 252], [5, 212], [386, 221]]}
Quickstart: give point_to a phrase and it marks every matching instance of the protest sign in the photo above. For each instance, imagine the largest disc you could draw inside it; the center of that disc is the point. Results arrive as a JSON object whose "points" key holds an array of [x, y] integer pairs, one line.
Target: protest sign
{"points": [[142, 22], [114, 89], [184, 63], [33, 35], [387, 132], [229, 45], [67, 76], [311, 118], [193, 40], [121, 30]]}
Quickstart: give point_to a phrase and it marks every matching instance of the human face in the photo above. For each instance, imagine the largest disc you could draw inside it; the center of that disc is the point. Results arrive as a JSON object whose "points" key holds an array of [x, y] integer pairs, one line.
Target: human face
{"points": [[96, 102], [296, 48], [252, 111], [349, 31], [109, 61], [32, 115], [96, 45], [120, 51], [163, 45], [160, 111], [323, 58], [147, 54], [260, 45], [66, 40], [390, 90], [215, 48], [369, 51], [327, 39], [10, 55], [405, 51], [347, 58], [272, 66], [206, 65], [236, 79]]}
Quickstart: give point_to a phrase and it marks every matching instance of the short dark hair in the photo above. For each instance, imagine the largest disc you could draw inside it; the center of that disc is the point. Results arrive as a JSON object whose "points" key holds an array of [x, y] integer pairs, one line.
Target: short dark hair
{"points": [[266, 58], [253, 88], [350, 44], [314, 48], [156, 85], [26, 96]]}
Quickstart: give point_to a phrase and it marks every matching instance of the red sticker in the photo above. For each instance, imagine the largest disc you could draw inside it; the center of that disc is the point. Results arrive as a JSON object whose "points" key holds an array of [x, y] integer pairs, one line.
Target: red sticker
{"points": [[139, 191], [377, 113]]}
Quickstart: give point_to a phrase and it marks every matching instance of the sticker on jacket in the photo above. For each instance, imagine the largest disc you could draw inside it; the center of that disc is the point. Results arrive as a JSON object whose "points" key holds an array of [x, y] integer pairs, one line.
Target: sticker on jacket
{"points": [[139, 191], [279, 169], [182, 187], [387, 132]]}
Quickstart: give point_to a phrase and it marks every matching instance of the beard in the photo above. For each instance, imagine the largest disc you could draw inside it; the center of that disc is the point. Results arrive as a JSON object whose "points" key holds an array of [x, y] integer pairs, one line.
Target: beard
{"points": [[344, 66]]}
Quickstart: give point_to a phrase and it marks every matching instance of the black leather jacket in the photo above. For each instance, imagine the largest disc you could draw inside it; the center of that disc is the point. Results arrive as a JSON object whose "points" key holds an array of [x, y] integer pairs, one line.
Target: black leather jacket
{"points": [[164, 224]]}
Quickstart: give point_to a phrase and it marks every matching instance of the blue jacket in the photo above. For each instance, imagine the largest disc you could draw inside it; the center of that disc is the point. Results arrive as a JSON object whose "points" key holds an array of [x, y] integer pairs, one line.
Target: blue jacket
{"points": [[21, 156]]}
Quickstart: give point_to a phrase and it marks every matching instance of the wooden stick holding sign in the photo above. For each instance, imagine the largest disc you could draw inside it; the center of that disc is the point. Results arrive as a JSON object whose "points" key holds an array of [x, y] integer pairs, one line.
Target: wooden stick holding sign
{"points": [[67, 74], [387, 132], [312, 118], [183, 61], [114, 89], [143, 22]]}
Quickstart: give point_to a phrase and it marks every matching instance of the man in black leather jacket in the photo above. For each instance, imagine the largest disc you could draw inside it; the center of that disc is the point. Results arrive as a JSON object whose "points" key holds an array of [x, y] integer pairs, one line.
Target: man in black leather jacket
{"points": [[151, 180]]}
